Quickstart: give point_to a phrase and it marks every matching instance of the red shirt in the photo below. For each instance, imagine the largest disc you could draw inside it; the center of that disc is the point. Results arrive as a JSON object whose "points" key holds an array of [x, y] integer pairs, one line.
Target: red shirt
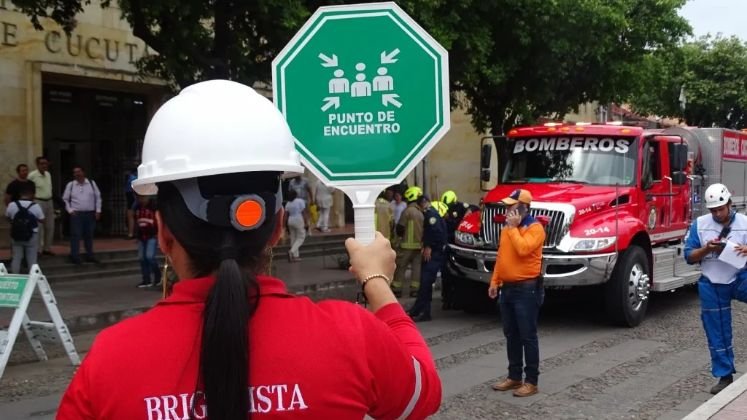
{"points": [[327, 360], [145, 217]]}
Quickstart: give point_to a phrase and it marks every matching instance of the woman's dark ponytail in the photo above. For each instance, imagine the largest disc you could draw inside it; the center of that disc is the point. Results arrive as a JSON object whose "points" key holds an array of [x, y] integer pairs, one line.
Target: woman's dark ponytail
{"points": [[235, 258], [224, 361]]}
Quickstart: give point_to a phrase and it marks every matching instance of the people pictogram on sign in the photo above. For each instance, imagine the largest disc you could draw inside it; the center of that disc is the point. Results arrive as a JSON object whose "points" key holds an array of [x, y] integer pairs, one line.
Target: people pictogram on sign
{"points": [[383, 82], [339, 84], [361, 87]]}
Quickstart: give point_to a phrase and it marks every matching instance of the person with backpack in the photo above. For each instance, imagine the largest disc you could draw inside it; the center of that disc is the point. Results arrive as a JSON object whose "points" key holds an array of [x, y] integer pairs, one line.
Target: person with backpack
{"points": [[146, 228], [24, 216], [83, 203], [13, 191]]}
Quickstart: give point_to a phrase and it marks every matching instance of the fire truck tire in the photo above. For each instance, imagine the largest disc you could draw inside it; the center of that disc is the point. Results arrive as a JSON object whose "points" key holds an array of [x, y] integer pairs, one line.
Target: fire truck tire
{"points": [[472, 297], [623, 301]]}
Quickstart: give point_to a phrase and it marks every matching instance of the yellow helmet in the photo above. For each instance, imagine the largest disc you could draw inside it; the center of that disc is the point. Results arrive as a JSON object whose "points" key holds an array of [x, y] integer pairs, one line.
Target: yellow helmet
{"points": [[449, 197], [413, 193], [440, 207]]}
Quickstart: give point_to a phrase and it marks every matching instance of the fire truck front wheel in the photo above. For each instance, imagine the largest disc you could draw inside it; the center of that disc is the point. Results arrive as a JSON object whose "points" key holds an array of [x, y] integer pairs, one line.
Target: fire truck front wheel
{"points": [[626, 292]]}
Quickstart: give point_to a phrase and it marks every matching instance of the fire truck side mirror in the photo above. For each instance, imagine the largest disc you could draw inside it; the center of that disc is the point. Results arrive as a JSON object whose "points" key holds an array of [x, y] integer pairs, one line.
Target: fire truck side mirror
{"points": [[485, 155], [678, 158]]}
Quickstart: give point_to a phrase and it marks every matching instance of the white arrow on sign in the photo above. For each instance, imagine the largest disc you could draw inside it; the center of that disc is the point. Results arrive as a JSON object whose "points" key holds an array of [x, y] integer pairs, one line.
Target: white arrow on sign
{"points": [[328, 62], [390, 98], [389, 58], [329, 102]]}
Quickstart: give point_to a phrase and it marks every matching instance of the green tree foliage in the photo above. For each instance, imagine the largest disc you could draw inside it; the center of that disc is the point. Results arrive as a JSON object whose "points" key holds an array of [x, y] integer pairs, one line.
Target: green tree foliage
{"points": [[511, 61], [195, 39], [545, 57], [713, 72]]}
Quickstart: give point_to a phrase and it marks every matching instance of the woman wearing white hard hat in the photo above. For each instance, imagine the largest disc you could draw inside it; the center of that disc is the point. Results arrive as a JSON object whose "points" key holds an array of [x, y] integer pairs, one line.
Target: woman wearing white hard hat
{"points": [[721, 281], [231, 341]]}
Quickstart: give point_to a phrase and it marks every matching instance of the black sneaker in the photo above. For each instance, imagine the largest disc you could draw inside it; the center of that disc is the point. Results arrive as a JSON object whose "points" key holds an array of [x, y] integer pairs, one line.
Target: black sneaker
{"points": [[722, 383], [423, 317], [143, 285]]}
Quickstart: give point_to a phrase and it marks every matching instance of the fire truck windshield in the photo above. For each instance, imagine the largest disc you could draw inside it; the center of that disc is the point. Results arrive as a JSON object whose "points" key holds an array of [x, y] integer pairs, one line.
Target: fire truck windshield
{"points": [[585, 160]]}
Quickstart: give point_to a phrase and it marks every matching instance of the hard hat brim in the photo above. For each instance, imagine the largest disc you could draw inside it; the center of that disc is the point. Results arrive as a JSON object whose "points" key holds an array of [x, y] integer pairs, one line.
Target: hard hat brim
{"points": [[146, 185], [716, 205]]}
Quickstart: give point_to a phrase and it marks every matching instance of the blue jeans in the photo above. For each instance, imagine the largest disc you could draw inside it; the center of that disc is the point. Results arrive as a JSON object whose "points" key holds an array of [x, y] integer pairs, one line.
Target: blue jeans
{"points": [[520, 304], [146, 253], [715, 312], [24, 249], [82, 225], [428, 275]]}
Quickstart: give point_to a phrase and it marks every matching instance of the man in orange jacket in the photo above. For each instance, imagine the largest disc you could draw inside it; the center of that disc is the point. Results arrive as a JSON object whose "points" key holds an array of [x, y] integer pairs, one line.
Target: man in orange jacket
{"points": [[518, 273]]}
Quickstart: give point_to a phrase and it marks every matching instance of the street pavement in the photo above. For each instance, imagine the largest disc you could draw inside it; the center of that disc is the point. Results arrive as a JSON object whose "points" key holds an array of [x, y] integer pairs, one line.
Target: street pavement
{"points": [[590, 370]]}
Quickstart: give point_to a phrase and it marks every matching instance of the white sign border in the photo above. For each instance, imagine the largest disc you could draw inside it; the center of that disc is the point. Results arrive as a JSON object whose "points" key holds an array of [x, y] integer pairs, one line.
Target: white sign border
{"points": [[444, 116]]}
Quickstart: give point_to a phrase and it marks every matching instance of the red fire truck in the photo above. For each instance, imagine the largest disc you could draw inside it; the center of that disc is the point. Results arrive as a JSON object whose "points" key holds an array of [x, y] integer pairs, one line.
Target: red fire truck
{"points": [[616, 202]]}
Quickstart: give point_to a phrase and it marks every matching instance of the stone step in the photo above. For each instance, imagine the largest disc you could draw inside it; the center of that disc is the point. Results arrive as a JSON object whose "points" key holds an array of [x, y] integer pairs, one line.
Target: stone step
{"points": [[130, 265], [132, 271], [125, 262]]}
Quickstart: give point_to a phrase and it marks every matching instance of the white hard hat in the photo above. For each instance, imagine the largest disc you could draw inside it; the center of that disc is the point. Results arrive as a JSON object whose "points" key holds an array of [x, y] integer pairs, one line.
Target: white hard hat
{"points": [[211, 128], [717, 195]]}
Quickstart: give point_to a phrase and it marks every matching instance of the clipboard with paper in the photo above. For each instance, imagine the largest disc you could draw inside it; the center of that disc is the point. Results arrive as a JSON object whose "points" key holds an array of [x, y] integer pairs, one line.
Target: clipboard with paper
{"points": [[730, 256]]}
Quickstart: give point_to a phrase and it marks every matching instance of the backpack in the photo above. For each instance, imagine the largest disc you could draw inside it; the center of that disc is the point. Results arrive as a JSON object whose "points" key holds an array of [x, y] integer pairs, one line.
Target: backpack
{"points": [[23, 224]]}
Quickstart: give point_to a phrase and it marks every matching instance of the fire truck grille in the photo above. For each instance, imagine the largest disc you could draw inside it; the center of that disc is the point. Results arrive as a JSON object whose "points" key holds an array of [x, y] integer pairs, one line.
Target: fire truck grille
{"points": [[491, 231]]}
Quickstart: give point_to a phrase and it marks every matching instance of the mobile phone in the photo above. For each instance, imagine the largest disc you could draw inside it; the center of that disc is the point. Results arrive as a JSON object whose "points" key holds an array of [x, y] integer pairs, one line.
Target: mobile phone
{"points": [[720, 244], [522, 209]]}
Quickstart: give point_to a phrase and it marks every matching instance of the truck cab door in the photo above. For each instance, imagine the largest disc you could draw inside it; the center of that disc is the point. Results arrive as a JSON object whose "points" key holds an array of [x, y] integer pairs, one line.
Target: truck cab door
{"points": [[680, 199], [656, 189]]}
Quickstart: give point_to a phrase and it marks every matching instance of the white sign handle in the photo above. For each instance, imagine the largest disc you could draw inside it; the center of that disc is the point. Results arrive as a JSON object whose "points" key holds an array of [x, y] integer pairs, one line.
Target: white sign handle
{"points": [[364, 204]]}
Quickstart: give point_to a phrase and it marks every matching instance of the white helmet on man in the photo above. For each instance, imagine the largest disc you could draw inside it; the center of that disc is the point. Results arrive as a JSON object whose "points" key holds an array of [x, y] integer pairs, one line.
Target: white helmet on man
{"points": [[717, 195], [211, 128]]}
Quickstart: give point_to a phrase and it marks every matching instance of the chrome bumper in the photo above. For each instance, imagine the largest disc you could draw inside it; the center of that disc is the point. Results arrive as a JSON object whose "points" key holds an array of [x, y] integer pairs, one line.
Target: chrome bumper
{"points": [[558, 270]]}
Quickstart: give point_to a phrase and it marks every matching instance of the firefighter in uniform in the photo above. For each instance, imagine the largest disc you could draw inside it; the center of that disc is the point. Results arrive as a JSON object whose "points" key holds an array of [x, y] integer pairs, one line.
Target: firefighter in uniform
{"points": [[383, 216], [409, 232], [720, 282], [456, 211], [434, 244], [440, 207], [239, 344]]}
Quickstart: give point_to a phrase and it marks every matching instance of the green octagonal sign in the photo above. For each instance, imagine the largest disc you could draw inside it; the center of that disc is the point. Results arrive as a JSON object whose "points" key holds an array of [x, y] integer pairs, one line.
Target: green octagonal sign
{"points": [[366, 93]]}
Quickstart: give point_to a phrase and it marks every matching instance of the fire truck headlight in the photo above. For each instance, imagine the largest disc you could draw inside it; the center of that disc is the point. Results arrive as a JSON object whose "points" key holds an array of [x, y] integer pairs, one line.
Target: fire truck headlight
{"points": [[464, 238], [594, 244]]}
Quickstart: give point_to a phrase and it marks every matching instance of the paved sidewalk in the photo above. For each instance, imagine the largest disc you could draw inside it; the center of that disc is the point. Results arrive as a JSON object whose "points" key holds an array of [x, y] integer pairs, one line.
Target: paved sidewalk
{"points": [[96, 303], [729, 404]]}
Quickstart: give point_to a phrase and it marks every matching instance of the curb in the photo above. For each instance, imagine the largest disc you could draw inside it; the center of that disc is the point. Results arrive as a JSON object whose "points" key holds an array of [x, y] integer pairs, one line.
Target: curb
{"points": [[711, 407]]}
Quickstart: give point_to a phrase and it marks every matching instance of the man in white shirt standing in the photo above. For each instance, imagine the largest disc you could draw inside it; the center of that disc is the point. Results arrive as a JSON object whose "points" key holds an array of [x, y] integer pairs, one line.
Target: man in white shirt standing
{"points": [[43, 198], [83, 203], [24, 237], [398, 206]]}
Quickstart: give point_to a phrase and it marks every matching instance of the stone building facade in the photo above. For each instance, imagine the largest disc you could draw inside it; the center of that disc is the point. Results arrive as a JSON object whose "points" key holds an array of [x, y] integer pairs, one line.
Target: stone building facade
{"points": [[79, 100], [76, 99]]}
